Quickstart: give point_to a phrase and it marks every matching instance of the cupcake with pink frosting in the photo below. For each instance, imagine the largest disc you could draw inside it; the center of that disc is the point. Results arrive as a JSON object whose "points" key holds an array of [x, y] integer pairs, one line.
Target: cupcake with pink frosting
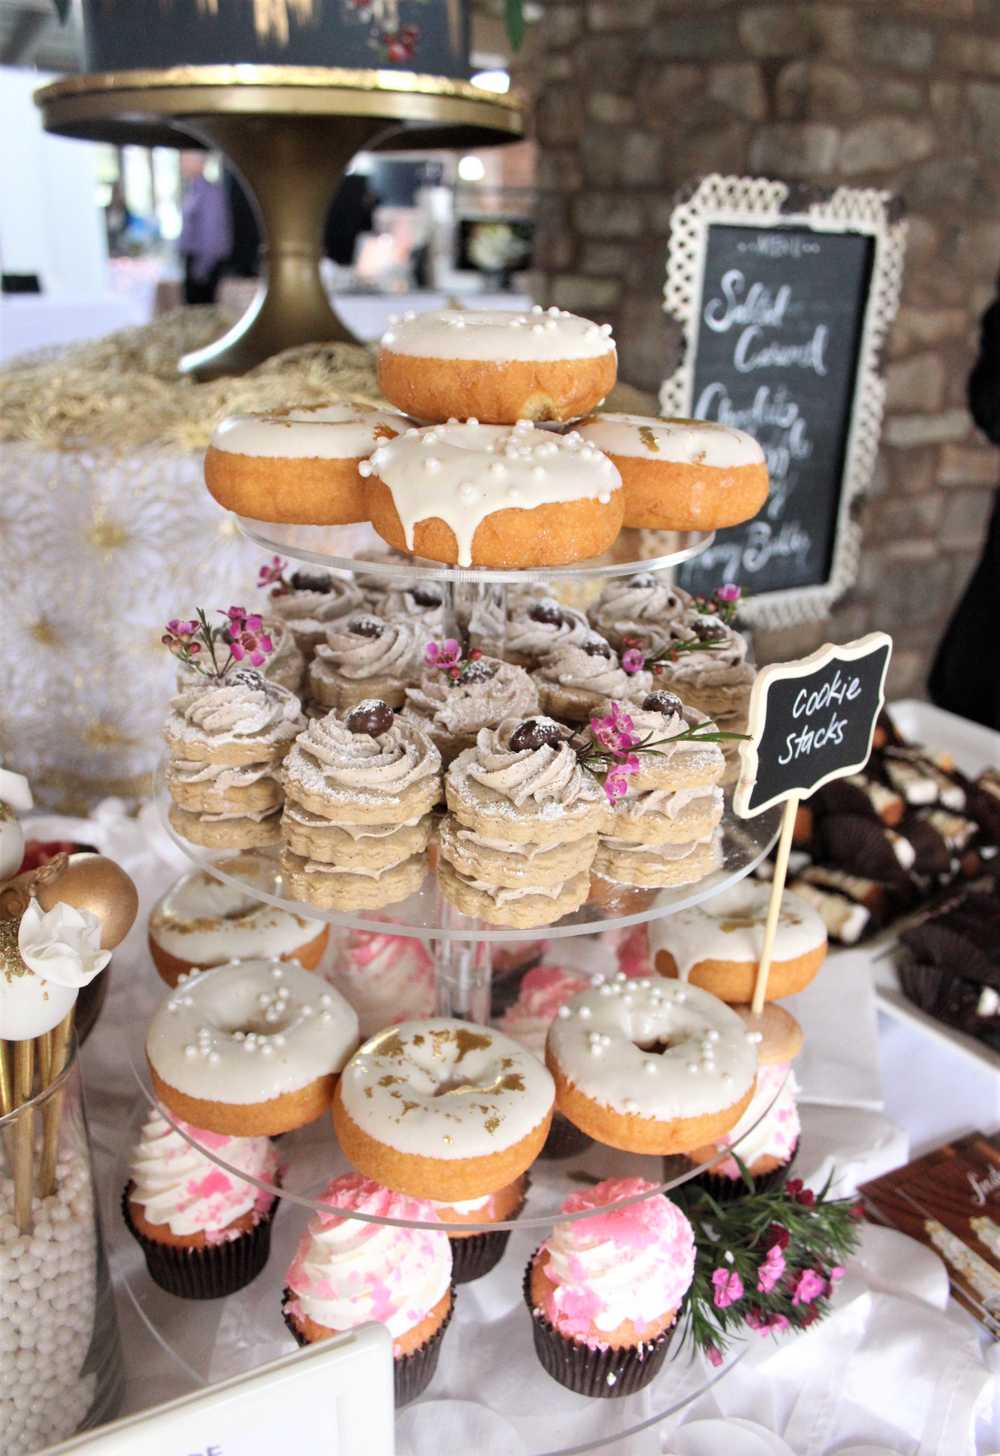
{"points": [[605, 1290], [475, 1250], [542, 991], [204, 1228], [347, 1271], [386, 978], [765, 1139]]}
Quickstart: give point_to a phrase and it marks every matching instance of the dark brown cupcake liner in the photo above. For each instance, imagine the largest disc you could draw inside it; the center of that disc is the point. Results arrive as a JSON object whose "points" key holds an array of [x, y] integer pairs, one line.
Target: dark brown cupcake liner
{"points": [[476, 1254], [731, 1190], [607, 1374], [208, 1273], [565, 1139], [411, 1374]]}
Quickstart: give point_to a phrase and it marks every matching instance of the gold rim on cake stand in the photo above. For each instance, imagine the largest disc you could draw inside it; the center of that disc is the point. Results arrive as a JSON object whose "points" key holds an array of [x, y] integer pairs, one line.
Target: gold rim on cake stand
{"points": [[290, 132]]}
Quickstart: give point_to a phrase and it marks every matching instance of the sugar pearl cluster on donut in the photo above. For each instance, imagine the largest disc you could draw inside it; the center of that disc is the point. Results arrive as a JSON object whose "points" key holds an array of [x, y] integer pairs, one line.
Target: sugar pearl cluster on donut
{"points": [[717, 945], [443, 1109], [497, 365], [682, 475], [250, 1048], [651, 1067], [498, 496], [298, 464]]}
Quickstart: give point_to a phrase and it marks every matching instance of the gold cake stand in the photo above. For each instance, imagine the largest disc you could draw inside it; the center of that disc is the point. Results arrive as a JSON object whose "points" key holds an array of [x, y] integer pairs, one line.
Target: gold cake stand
{"points": [[290, 133]]}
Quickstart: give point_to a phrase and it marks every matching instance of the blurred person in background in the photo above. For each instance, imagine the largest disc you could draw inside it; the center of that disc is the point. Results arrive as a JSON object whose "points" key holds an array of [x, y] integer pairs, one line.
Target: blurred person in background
{"points": [[206, 230], [965, 677]]}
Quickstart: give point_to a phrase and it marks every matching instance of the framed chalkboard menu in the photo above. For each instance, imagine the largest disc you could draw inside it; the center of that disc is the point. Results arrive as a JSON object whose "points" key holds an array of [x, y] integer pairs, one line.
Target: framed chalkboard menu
{"points": [[785, 299]]}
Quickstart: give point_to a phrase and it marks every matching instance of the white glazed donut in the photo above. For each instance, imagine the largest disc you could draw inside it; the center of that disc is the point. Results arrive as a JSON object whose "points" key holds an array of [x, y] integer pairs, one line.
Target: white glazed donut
{"points": [[249, 1048], [298, 464], [496, 365], [718, 945], [651, 1067], [493, 495], [203, 922], [443, 1108]]}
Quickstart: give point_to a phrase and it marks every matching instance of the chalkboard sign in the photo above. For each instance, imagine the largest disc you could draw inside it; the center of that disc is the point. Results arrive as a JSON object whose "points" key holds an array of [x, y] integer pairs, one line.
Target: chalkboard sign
{"points": [[784, 307], [811, 721]]}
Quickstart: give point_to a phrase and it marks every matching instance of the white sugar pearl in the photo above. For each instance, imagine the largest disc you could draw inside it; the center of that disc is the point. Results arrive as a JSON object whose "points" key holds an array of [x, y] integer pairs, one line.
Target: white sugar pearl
{"points": [[553, 311], [584, 1013], [650, 1065], [389, 338], [564, 1013], [365, 469], [214, 1059], [279, 1040], [498, 469], [606, 330], [326, 999], [190, 1050], [620, 976], [538, 472], [267, 1050], [306, 1010], [472, 421], [512, 493], [692, 1066], [537, 329], [432, 465], [326, 1016], [276, 973], [537, 308], [239, 1036], [468, 492]]}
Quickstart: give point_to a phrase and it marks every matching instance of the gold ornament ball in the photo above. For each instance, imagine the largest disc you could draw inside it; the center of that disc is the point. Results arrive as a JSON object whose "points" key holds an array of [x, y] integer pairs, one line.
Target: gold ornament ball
{"points": [[92, 882]]}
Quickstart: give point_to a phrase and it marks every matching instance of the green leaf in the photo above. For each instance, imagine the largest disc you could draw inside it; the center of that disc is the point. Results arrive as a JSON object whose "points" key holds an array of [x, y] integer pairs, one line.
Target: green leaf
{"points": [[513, 12]]}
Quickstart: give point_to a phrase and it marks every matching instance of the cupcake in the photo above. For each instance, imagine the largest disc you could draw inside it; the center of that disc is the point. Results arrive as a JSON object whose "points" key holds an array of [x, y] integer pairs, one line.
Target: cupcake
{"points": [[422, 603], [604, 1291], [347, 1272], [580, 678], [386, 978], [365, 657], [205, 1230], [476, 1252], [310, 601], [455, 698], [542, 991], [203, 922]]}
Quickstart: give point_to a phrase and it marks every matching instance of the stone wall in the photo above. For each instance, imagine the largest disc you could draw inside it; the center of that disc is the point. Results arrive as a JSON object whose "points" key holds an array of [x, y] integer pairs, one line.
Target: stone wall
{"points": [[635, 97]]}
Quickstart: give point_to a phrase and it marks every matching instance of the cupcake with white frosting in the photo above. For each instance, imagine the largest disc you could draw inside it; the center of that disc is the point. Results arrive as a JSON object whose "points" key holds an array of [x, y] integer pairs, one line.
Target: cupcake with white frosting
{"points": [[386, 978], [203, 1223]]}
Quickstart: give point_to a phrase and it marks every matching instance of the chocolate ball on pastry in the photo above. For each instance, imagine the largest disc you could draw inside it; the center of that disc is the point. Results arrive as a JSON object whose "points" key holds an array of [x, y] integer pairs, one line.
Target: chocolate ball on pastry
{"points": [[298, 464], [682, 475], [496, 365], [494, 496]]}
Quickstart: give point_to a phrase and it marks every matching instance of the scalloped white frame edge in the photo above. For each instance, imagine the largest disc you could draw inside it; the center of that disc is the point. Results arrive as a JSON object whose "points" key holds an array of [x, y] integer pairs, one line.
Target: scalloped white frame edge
{"points": [[802, 667], [757, 201]]}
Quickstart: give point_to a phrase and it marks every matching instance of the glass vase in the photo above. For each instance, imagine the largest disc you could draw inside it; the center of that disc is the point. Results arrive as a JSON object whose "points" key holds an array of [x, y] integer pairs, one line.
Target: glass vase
{"points": [[61, 1367]]}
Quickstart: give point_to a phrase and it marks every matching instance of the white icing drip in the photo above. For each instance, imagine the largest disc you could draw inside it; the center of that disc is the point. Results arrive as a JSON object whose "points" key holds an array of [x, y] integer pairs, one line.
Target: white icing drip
{"points": [[498, 335], [462, 473], [205, 922], [337, 431], [198, 1040], [682, 442], [730, 927], [459, 1090], [708, 1063]]}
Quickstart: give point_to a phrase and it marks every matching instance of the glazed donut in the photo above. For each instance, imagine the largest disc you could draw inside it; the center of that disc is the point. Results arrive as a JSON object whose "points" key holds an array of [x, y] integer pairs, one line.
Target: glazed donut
{"points": [[682, 475], [493, 495], [203, 922], [443, 1109], [298, 464], [717, 945], [651, 1068], [250, 1048], [495, 365]]}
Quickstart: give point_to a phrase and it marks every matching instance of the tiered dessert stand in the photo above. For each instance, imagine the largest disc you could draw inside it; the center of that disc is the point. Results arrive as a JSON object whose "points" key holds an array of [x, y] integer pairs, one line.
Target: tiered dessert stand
{"points": [[487, 1358]]}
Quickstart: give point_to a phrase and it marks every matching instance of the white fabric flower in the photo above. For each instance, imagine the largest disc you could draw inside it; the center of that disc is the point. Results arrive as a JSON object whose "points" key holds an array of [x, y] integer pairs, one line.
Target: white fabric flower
{"points": [[62, 945]]}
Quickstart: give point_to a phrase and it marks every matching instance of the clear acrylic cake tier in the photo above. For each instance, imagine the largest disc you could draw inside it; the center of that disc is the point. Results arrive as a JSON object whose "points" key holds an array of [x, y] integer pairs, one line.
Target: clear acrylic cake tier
{"points": [[343, 548], [428, 916], [489, 1385]]}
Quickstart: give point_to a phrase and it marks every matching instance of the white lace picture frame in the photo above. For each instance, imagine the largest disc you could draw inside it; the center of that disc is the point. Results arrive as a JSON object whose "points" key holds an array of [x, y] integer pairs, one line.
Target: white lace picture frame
{"points": [[761, 202]]}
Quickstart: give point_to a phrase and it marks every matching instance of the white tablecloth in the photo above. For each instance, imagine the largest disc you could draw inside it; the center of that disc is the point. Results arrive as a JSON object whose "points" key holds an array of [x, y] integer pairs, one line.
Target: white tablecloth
{"points": [[897, 1368], [30, 321]]}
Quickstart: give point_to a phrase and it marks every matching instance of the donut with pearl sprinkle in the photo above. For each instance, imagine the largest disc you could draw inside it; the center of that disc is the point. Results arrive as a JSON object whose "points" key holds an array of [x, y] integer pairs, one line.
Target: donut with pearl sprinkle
{"points": [[497, 365], [649, 1066], [250, 1048]]}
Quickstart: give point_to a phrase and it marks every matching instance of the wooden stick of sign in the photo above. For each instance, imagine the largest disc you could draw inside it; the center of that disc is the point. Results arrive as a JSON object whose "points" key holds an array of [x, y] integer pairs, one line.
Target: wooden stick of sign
{"points": [[774, 904], [810, 722]]}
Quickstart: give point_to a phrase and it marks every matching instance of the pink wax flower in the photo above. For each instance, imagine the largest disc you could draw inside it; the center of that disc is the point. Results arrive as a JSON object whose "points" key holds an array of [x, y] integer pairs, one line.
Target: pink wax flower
{"points": [[633, 660], [728, 1288], [730, 592], [446, 654], [809, 1286], [273, 574], [771, 1270], [245, 637]]}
